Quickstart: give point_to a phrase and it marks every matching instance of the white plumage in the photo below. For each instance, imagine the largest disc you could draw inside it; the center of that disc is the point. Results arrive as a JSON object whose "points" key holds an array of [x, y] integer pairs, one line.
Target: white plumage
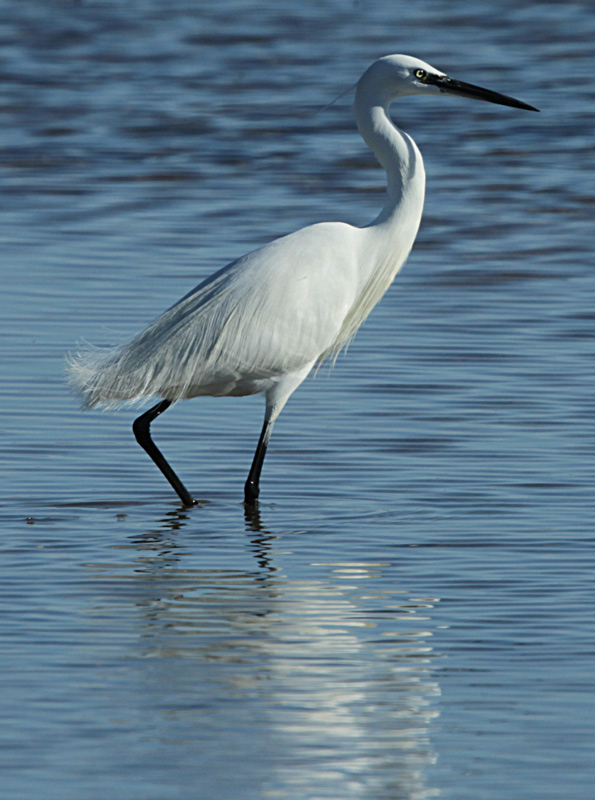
{"points": [[261, 323]]}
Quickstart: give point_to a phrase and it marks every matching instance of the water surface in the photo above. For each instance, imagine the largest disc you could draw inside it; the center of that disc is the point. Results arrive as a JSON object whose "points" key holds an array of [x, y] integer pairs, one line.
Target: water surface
{"points": [[411, 613]]}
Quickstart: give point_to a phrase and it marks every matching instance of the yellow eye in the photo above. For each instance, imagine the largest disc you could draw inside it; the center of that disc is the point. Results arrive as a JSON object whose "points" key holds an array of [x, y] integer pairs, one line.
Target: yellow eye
{"points": [[421, 74]]}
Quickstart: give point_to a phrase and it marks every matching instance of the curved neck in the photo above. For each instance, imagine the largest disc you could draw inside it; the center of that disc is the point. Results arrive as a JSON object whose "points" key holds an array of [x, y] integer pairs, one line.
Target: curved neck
{"points": [[395, 150]]}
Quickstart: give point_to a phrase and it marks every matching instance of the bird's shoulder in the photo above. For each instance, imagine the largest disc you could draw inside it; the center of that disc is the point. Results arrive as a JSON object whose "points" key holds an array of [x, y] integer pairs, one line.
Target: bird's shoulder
{"points": [[311, 267], [313, 249]]}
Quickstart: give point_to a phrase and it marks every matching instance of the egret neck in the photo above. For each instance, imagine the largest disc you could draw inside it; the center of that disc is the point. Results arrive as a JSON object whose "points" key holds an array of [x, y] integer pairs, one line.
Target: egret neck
{"points": [[387, 241]]}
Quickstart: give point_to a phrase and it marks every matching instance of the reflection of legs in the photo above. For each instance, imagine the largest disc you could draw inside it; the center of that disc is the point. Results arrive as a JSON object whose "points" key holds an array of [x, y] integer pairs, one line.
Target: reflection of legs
{"points": [[142, 433], [251, 488]]}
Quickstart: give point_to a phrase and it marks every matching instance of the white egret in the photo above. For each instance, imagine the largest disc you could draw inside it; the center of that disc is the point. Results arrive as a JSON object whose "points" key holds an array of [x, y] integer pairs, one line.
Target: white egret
{"points": [[260, 324]]}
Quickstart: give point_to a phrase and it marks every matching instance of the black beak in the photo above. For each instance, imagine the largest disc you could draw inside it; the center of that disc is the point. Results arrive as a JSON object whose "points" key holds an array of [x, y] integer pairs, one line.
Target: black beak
{"points": [[450, 86]]}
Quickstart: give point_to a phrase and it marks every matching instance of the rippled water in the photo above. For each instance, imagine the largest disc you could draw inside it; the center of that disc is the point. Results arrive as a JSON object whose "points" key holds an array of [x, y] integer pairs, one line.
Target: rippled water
{"points": [[411, 615]]}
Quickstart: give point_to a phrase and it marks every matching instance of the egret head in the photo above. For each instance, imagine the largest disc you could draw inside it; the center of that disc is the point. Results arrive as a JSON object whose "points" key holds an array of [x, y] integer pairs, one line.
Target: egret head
{"points": [[398, 76]]}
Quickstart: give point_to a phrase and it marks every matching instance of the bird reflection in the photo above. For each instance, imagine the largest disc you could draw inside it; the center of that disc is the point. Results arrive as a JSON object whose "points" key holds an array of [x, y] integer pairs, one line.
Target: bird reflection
{"points": [[329, 666], [253, 518], [261, 540], [177, 519]]}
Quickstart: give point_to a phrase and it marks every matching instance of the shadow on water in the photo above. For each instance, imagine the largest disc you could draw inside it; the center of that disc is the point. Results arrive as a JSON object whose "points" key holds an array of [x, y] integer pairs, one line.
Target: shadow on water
{"points": [[315, 681]]}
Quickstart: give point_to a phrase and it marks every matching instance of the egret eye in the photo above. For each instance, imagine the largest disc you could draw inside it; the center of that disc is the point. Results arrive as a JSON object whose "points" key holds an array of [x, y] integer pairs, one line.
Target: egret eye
{"points": [[421, 74]]}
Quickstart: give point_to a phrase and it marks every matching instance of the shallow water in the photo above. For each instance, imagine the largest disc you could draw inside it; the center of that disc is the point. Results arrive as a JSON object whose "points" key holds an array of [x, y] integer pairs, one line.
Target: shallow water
{"points": [[411, 613]]}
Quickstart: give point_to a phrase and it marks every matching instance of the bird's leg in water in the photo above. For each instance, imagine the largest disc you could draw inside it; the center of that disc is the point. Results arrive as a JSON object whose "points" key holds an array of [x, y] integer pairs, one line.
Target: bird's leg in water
{"points": [[143, 437], [251, 488]]}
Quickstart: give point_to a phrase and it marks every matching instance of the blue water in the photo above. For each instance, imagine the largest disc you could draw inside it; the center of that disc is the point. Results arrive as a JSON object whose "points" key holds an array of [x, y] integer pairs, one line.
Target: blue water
{"points": [[411, 615]]}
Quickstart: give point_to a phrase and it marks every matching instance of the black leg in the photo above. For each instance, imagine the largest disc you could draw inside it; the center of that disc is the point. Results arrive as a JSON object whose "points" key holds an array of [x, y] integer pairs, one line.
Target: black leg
{"points": [[143, 437], [251, 488]]}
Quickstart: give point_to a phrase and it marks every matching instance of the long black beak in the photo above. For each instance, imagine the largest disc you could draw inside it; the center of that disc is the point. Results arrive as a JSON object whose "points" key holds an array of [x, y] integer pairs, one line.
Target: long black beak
{"points": [[450, 86]]}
